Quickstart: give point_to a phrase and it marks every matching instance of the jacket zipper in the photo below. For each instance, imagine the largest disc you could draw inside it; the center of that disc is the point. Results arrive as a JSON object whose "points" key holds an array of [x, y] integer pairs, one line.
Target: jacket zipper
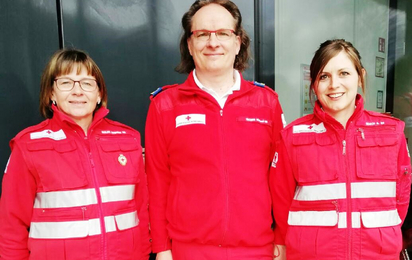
{"points": [[348, 199], [99, 200], [225, 179]]}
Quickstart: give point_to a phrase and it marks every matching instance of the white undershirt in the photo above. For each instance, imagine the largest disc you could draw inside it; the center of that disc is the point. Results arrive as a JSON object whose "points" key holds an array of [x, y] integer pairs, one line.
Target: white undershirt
{"points": [[221, 100]]}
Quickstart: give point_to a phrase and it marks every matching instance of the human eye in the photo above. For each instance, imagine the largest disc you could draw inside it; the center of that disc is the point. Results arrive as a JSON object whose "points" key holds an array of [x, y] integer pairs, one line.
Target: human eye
{"points": [[223, 33], [323, 77], [64, 82], [202, 34], [87, 82], [344, 73]]}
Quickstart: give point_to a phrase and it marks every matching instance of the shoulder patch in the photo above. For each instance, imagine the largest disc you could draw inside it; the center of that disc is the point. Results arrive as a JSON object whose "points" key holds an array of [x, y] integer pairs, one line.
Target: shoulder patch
{"points": [[259, 84], [263, 86], [158, 90]]}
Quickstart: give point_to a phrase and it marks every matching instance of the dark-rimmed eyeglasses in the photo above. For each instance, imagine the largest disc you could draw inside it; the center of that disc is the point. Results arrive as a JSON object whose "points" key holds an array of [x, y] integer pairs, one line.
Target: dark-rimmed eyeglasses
{"points": [[221, 35], [66, 84]]}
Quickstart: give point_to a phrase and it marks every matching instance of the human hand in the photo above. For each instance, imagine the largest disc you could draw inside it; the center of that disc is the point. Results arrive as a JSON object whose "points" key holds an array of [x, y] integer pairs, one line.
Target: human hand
{"points": [[164, 255], [279, 252]]}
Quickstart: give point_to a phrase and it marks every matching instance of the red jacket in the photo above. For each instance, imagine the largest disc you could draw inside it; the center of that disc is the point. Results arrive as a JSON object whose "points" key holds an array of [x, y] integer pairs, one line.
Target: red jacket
{"points": [[341, 193], [208, 167], [61, 186]]}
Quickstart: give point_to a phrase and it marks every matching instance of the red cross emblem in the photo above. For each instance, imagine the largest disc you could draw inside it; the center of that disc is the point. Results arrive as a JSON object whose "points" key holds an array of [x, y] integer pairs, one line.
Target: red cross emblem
{"points": [[188, 118]]}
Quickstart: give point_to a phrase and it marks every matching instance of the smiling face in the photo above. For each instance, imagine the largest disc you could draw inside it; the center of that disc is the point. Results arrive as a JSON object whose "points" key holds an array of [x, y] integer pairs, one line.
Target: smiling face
{"points": [[213, 56], [337, 86], [78, 104]]}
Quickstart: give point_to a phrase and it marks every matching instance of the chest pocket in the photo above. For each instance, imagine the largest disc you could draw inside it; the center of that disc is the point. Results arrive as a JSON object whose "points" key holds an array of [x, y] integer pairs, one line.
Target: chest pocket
{"points": [[376, 154], [58, 164], [120, 159], [317, 157]]}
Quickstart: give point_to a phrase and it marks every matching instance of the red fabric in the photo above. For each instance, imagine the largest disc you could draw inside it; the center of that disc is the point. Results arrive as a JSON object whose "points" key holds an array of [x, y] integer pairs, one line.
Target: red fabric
{"points": [[189, 251], [305, 159], [208, 181], [76, 162]]}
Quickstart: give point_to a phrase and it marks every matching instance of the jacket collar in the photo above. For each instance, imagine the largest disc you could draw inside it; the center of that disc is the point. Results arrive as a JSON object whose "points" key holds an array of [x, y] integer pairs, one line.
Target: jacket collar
{"points": [[325, 117], [63, 118]]}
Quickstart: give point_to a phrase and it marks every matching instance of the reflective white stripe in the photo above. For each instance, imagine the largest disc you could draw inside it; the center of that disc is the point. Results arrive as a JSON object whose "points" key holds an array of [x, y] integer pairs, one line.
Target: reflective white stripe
{"points": [[356, 223], [380, 218], [83, 197], [321, 192], [117, 193], [65, 199], [373, 219], [359, 190], [373, 190], [313, 218], [83, 228], [343, 220]]}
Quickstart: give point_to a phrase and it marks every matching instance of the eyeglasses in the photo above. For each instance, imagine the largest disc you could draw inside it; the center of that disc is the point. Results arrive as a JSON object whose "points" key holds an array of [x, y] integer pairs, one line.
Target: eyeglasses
{"points": [[66, 84], [221, 35]]}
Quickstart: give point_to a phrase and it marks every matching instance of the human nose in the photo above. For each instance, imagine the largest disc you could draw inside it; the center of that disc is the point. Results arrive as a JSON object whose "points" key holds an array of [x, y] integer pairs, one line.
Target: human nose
{"points": [[213, 41], [77, 89], [334, 81]]}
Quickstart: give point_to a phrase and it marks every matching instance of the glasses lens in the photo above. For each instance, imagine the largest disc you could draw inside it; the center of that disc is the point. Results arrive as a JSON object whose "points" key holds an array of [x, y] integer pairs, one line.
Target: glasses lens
{"points": [[202, 35], [65, 84], [88, 84], [223, 35]]}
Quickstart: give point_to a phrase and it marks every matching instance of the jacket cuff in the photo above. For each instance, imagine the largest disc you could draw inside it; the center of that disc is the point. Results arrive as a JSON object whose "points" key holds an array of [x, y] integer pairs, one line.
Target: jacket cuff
{"points": [[160, 247]]}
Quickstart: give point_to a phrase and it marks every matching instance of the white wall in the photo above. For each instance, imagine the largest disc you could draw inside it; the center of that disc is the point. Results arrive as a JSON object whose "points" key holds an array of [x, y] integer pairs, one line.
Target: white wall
{"points": [[301, 26]]}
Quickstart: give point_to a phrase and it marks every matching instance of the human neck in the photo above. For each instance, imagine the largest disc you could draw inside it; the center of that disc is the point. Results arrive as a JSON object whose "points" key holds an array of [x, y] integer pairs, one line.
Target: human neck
{"points": [[218, 82], [343, 116]]}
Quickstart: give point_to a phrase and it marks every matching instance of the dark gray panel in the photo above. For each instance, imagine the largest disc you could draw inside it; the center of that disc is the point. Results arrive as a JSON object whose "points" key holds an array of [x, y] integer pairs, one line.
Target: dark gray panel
{"points": [[136, 45], [28, 36]]}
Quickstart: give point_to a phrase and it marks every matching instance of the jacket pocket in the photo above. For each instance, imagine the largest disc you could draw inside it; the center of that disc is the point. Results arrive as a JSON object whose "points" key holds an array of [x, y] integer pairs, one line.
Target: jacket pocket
{"points": [[120, 159], [404, 185], [316, 157], [58, 164], [376, 156], [378, 241], [378, 219]]}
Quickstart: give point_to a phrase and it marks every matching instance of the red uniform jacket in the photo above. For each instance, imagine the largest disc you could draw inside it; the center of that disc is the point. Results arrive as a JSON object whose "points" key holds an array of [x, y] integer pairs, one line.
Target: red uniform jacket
{"points": [[71, 196], [341, 193], [208, 167]]}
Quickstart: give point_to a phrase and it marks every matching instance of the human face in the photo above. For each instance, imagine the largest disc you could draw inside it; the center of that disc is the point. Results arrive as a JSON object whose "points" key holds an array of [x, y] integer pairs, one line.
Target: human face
{"points": [[213, 56], [78, 104], [337, 86]]}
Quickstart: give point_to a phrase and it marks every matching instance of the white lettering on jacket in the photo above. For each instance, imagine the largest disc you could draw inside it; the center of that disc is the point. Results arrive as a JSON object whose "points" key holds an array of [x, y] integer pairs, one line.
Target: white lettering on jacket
{"points": [[374, 123], [313, 128], [113, 132], [262, 121], [58, 135], [190, 119]]}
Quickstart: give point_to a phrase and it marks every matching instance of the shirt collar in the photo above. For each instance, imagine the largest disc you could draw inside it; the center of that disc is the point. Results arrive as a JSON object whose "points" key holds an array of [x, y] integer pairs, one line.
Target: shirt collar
{"points": [[235, 87]]}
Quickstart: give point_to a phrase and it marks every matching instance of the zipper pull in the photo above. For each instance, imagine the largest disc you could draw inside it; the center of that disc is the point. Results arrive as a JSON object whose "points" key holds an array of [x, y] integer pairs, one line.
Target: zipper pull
{"points": [[221, 112], [344, 147], [362, 133], [83, 210], [335, 202]]}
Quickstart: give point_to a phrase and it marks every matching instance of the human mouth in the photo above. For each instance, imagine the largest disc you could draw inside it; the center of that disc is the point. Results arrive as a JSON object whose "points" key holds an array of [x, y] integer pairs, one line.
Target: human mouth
{"points": [[77, 102], [335, 95]]}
